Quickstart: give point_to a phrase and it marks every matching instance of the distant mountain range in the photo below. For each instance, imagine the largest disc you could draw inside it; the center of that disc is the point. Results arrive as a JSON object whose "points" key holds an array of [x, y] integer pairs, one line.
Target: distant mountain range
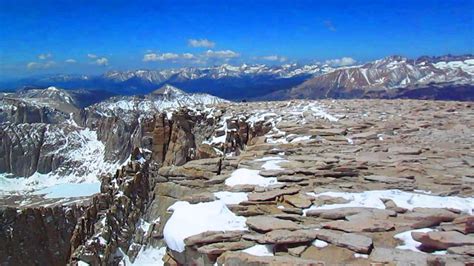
{"points": [[448, 77], [445, 77]]}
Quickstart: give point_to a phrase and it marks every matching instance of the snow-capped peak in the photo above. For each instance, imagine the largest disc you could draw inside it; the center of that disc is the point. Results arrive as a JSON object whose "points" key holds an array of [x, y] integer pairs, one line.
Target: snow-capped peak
{"points": [[52, 88], [168, 90]]}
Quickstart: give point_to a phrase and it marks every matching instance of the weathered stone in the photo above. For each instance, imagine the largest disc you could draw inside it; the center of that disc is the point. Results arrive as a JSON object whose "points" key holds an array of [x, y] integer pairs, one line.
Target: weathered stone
{"points": [[462, 250], [387, 179], [438, 240], [427, 217], [390, 205], [219, 248], [268, 223], [365, 135], [272, 194], [355, 242], [291, 178], [276, 173], [360, 225], [289, 237], [324, 200], [296, 251], [328, 131], [298, 200], [340, 213], [213, 237], [465, 224], [297, 211], [404, 150], [201, 197], [241, 258], [398, 256]]}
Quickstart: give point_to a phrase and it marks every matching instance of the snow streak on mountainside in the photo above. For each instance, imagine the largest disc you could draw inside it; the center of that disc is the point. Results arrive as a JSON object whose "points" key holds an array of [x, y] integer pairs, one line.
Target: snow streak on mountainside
{"points": [[388, 76]]}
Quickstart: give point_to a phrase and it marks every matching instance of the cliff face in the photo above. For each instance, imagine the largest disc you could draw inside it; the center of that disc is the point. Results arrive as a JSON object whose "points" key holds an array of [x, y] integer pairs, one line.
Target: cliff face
{"points": [[37, 236], [140, 188], [110, 225]]}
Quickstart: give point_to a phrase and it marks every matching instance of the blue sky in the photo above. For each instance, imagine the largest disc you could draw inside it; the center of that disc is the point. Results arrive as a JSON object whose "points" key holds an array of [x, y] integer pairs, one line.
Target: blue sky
{"points": [[38, 37]]}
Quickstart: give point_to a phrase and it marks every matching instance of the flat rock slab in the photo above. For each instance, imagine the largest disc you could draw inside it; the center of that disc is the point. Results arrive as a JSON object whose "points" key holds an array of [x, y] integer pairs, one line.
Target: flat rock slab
{"points": [[297, 251], [341, 213], [398, 256], [276, 173], [465, 224], [428, 217], [403, 150], [354, 242], [462, 250], [387, 179], [361, 225], [219, 248], [298, 201], [201, 197], [291, 178], [365, 135], [213, 237], [233, 258], [289, 237], [272, 194], [440, 240], [268, 223], [328, 131]]}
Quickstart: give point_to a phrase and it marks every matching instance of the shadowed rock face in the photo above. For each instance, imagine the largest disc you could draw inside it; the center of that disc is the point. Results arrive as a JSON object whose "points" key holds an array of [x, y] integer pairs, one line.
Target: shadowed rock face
{"points": [[38, 236]]}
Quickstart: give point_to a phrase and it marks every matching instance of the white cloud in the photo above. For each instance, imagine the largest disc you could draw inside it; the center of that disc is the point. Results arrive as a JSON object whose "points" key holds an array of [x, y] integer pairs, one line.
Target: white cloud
{"points": [[38, 65], [45, 56], [92, 56], [225, 54], [70, 61], [344, 61], [201, 43], [188, 56], [102, 61], [194, 58], [33, 65], [159, 57], [167, 56], [274, 58]]}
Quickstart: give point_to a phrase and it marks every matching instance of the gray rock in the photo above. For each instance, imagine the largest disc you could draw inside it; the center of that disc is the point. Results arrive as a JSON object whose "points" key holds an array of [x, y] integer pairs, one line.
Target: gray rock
{"points": [[355, 242], [268, 223]]}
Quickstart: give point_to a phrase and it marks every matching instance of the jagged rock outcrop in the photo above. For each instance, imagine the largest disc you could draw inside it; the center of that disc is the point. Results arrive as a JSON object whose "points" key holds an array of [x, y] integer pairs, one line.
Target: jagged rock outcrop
{"points": [[37, 236]]}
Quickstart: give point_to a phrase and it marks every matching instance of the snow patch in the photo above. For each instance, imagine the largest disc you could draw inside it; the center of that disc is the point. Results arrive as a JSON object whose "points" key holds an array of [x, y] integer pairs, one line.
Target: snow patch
{"points": [[231, 197], [408, 242], [244, 176], [191, 219], [320, 244], [150, 256], [407, 200], [260, 250]]}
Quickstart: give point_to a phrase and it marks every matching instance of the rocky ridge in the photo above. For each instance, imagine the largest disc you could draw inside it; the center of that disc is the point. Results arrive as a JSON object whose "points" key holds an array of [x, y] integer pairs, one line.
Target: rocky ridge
{"points": [[301, 182]]}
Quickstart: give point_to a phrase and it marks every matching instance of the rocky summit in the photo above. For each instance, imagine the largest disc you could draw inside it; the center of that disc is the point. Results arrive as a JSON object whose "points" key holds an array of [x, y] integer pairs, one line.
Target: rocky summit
{"points": [[300, 182]]}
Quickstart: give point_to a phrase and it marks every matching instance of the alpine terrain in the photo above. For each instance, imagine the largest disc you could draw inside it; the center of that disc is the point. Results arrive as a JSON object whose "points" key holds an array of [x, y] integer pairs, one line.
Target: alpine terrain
{"points": [[442, 78], [176, 178]]}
